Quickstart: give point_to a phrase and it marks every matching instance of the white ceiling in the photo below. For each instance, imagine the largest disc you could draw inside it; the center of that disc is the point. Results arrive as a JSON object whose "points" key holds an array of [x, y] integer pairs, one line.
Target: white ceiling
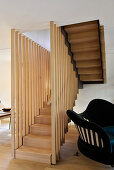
{"points": [[28, 15]]}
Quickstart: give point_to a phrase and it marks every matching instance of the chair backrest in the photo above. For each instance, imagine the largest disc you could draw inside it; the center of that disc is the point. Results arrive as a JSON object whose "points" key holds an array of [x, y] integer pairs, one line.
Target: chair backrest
{"points": [[89, 132], [90, 136], [100, 112]]}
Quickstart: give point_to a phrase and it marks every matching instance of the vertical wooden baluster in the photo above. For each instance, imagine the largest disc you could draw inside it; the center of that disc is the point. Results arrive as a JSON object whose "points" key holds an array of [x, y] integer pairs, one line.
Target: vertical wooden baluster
{"points": [[35, 79], [49, 77], [32, 82], [27, 89], [61, 47], [53, 106], [46, 75], [58, 89], [39, 79], [30, 85], [20, 92], [17, 88], [24, 83], [13, 92], [41, 58]]}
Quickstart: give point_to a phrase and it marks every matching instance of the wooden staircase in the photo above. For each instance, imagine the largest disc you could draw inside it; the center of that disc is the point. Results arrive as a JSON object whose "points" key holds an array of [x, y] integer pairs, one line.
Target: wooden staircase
{"points": [[37, 144], [84, 40]]}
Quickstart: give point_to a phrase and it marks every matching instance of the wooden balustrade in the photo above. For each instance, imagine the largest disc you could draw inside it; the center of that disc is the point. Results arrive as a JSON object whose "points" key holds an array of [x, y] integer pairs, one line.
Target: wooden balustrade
{"points": [[30, 84], [38, 76], [64, 88]]}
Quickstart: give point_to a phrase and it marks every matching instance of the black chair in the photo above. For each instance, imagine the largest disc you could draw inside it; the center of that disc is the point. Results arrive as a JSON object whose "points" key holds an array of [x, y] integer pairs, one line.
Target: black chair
{"points": [[96, 130]]}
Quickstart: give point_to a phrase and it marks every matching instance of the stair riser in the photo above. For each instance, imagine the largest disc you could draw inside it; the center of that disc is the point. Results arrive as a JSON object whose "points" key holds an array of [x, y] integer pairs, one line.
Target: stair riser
{"points": [[33, 157], [45, 112], [38, 143], [45, 105], [46, 121], [40, 131]]}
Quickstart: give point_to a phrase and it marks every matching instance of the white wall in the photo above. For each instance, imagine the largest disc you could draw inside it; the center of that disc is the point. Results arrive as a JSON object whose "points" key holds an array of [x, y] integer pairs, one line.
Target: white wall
{"points": [[103, 91], [5, 77], [42, 37]]}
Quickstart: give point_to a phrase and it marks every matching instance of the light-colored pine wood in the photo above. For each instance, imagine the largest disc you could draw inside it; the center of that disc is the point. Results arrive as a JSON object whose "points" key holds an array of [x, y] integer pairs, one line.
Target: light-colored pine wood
{"points": [[85, 45], [88, 64], [29, 67], [81, 27], [20, 91], [90, 46], [45, 111], [91, 77], [12, 93], [35, 88], [96, 70], [63, 84], [30, 84], [37, 81], [24, 84], [53, 98], [38, 141], [39, 75], [82, 37], [82, 56], [27, 89], [43, 119], [40, 129], [34, 154], [17, 88]]}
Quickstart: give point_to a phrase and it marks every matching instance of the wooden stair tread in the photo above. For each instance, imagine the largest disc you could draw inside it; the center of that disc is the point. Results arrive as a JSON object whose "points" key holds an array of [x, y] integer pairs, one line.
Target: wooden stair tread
{"points": [[43, 119], [91, 77], [38, 137], [83, 37], [80, 27], [82, 46], [92, 55], [88, 64], [39, 141], [48, 116], [84, 43], [45, 111], [40, 129], [40, 125], [83, 50], [84, 71], [34, 154], [34, 150]]}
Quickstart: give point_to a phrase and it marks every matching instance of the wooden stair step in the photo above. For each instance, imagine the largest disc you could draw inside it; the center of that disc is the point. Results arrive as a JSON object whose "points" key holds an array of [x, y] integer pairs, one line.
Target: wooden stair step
{"points": [[47, 104], [40, 129], [44, 111], [85, 46], [34, 154], [43, 119], [38, 141], [91, 78], [84, 71], [85, 26], [88, 64], [83, 37], [92, 55]]}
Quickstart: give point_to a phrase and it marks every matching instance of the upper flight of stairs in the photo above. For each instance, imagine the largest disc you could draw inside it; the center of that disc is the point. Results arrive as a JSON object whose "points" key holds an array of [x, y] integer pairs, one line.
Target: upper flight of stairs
{"points": [[37, 144], [85, 43]]}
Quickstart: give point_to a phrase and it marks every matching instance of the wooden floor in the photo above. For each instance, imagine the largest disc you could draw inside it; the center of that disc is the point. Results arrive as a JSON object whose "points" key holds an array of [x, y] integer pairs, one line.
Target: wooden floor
{"points": [[68, 160]]}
